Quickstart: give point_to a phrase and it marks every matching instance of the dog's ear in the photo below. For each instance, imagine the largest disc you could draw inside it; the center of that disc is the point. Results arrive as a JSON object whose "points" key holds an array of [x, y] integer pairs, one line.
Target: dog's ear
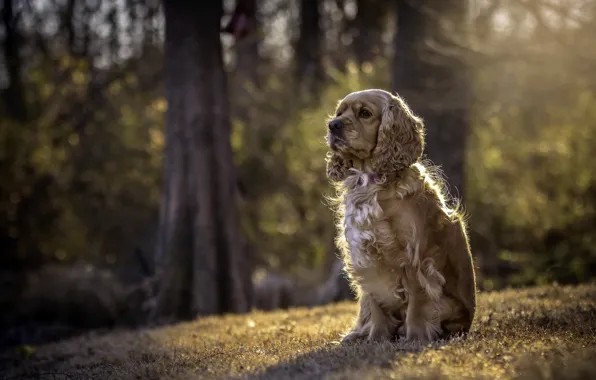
{"points": [[400, 140], [337, 167]]}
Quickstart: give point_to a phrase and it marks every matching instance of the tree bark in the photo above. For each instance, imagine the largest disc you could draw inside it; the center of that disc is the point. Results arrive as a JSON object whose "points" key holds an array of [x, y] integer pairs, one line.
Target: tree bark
{"points": [[199, 247], [435, 85]]}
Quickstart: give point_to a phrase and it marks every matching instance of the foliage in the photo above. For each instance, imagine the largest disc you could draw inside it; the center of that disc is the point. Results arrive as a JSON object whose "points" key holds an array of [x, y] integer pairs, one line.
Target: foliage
{"points": [[81, 177], [530, 163]]}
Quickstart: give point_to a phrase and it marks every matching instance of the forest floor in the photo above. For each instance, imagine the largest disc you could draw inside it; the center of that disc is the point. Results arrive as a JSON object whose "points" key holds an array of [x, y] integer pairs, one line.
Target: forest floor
{"points": [[535, 333]]}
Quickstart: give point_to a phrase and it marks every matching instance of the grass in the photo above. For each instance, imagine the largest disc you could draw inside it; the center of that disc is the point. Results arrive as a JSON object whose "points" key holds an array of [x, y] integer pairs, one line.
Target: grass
{"points": [[536, 333]]}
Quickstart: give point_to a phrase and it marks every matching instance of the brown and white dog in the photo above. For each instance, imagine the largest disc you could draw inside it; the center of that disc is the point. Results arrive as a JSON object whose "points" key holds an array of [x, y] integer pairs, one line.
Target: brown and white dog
{"points": [[405, 250]]}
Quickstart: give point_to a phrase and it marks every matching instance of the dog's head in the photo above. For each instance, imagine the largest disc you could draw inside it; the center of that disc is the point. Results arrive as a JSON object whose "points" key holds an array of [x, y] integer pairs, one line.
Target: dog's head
{"points": [[374, 126]]}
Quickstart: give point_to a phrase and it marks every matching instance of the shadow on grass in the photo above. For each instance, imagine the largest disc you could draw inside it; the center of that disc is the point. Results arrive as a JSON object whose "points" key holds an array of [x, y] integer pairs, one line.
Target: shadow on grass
{"points": [[195, 350], [338, 359], [343, 361], [122, 355]]}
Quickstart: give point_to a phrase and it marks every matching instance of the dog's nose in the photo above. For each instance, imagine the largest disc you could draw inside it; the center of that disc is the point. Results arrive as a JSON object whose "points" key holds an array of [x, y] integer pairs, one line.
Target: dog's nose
{"points": [[335, 125]]}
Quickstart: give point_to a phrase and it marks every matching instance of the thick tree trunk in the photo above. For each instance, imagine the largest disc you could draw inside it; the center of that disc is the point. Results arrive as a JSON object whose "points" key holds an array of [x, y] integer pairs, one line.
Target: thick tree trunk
{"points": [[435, 85], [308, 48], [199, 245]]}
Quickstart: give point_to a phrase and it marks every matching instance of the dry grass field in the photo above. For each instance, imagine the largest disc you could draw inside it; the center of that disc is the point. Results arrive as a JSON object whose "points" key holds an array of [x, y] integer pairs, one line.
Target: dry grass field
{"points": [[536, 333]]}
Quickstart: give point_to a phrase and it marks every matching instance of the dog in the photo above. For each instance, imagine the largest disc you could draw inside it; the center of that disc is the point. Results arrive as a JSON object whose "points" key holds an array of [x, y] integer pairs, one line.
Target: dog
{"points": [[405, 250]]}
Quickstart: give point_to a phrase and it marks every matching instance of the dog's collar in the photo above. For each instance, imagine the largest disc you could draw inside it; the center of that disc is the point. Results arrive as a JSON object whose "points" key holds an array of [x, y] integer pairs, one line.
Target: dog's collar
{"points": [[368, 178], [376, 177]]}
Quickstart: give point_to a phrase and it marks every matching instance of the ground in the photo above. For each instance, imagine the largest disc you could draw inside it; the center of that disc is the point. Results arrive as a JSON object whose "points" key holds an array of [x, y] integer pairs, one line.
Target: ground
{"points": [[536, 333]]}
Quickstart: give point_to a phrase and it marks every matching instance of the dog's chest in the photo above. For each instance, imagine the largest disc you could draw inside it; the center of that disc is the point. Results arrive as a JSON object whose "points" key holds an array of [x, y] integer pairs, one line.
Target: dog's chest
{"points": [[360, 219], [366, 234]]}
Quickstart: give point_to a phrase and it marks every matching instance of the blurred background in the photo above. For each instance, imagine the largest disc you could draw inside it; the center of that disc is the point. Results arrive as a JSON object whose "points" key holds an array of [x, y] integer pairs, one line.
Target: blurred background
{"points": [[507, 89]]}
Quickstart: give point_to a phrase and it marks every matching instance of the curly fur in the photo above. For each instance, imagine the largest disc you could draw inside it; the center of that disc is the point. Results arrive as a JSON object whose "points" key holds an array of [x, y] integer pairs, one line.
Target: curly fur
{"points": [[337, 167], [401, 140], [405, 250]]}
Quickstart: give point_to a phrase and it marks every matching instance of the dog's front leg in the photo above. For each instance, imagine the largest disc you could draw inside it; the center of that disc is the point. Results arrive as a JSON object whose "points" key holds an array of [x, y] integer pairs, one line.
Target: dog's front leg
{"points": [[362, 326], [373, 323], [422, 317], [382, 326]]}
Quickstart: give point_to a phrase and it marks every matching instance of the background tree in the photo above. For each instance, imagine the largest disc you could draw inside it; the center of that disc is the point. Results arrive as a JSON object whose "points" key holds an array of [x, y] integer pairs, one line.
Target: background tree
{"points": [[309, 66], [436, 84], [369, 26], [199, 232], [13, 94], [82, 175]]}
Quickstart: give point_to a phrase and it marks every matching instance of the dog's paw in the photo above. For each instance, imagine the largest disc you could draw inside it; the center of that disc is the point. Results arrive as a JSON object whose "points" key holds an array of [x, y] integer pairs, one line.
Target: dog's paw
{"points": [[421, 334], [402, 331], [354, 336], [379, 334]]}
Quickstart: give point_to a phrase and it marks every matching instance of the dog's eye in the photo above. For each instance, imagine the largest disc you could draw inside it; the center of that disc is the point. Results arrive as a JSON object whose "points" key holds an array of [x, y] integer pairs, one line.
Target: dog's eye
{"points": [[364, 113]]}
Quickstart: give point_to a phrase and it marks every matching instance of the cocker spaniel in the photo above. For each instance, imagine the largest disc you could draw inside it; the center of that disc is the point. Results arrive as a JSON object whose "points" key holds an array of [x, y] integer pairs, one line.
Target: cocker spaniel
{"points": [[405, 250]]}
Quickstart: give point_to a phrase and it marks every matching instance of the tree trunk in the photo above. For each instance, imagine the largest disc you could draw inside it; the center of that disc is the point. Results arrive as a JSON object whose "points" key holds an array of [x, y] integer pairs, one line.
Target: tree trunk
{"points": [[308, 48], [199, 247], [369, 24], [247, 48], [68, 19], [246, 74], [435, 85], [14, 98]]}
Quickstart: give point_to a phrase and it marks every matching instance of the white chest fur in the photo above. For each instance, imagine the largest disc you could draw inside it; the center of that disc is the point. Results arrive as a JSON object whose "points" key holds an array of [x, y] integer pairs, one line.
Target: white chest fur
{"points": [[363, 215], [387, 257]]}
